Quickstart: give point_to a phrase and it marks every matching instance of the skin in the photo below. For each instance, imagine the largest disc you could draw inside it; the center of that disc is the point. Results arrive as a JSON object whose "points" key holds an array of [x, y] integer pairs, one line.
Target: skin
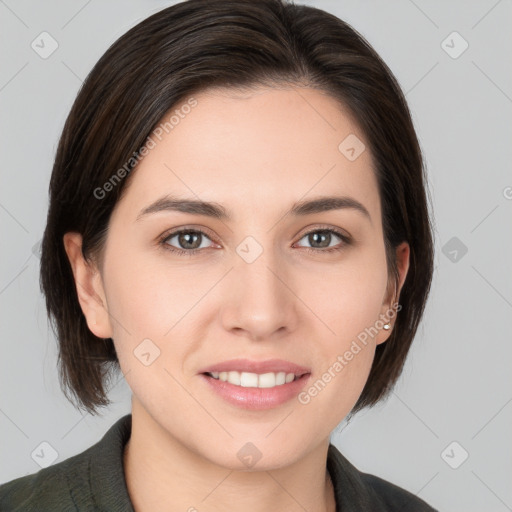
{"points": [[256, 153]]}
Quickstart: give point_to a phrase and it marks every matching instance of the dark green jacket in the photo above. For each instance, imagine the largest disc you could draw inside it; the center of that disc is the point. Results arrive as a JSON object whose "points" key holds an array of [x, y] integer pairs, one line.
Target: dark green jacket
{"points": [[94, 481]]}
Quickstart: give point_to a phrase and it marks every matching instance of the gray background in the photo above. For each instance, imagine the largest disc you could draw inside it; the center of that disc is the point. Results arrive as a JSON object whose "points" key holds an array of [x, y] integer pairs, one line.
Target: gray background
{"points": [[456, 386]]}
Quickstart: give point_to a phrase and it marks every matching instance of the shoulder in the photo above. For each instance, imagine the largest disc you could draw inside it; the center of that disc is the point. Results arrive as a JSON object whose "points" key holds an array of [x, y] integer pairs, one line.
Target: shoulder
{"points": [[394, 497], [90, 480], [48, 489], [355, 490]]}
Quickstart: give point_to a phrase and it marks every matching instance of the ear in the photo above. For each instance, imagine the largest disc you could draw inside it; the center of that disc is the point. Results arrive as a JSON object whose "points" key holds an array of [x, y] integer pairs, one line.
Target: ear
{"points": [[89, 287], [389, 311]]}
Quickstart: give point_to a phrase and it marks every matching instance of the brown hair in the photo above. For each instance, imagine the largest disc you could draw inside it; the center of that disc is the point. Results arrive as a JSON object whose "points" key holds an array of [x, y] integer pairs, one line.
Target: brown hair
{"points": [[187, 48]]}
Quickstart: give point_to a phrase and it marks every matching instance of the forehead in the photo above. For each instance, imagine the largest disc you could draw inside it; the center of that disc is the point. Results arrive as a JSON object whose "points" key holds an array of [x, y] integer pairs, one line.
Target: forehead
{"points": [[265, 146]]}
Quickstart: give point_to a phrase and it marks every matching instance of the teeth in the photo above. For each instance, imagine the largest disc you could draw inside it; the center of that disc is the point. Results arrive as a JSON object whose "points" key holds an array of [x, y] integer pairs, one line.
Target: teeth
{"points": [[254, 380]]}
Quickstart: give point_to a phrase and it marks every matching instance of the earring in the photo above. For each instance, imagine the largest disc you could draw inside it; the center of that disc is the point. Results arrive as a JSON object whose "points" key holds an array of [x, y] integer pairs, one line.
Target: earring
{"points": [[387, 327]]}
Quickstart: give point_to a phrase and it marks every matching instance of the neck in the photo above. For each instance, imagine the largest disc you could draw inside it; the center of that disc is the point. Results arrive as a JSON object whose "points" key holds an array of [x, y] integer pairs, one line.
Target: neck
{"points": [[162, 474]]}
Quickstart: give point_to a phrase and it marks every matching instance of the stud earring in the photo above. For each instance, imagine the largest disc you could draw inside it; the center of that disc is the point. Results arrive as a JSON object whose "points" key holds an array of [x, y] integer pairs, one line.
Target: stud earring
{"points": [[387, 327]]}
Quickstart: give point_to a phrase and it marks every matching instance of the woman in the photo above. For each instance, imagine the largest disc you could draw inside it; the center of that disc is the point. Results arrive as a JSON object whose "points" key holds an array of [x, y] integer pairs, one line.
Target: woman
{"points": [[238, 221]]}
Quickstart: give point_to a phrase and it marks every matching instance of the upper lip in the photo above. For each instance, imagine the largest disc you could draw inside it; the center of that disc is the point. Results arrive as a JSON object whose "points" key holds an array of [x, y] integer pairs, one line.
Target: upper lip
{"points": [[245, 365]]}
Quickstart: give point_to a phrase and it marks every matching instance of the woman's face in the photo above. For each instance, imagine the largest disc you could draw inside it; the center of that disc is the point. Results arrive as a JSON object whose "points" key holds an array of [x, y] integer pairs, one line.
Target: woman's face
{"points": [[262, 283]]}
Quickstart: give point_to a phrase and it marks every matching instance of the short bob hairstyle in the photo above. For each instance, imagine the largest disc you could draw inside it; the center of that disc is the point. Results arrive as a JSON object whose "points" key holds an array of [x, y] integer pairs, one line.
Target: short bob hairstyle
{"points": [[190, 47]]}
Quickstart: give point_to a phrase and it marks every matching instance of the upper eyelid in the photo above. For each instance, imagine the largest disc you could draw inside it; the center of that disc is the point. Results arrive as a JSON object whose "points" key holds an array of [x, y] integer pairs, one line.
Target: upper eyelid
{"points": [[327, 228], [176, 231]]}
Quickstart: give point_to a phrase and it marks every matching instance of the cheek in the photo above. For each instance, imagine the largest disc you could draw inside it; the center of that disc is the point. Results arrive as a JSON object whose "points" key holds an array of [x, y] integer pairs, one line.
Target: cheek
{"points": [[148, 313], [348, 300], [348, 303], [345, 357], [155, 309], [147, 299]]}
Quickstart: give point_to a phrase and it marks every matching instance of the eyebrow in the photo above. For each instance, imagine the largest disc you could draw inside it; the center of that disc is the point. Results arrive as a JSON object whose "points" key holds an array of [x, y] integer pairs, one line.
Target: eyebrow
{"points": [[217, 211]]}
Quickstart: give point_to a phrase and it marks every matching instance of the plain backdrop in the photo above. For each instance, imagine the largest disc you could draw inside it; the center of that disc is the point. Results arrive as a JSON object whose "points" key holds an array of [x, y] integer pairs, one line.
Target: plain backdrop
{"points": [[444, 434]]}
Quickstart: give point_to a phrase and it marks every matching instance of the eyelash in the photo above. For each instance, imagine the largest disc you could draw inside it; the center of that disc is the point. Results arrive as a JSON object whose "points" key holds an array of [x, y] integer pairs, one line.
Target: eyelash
{"points": [[191, 252]]}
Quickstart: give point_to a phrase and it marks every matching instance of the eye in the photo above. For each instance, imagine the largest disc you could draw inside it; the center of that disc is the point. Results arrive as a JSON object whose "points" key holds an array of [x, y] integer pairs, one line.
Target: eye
{"points": [[189, 241], [320, 240]]}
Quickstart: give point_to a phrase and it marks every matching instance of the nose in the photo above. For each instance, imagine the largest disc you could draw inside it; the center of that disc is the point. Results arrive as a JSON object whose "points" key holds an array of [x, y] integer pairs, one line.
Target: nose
{"points": [[259, 300]]}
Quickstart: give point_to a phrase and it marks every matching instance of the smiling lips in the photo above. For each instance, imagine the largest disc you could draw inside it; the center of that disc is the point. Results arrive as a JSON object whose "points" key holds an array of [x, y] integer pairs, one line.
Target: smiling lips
{"points": [[256, 374], [254, 380]]}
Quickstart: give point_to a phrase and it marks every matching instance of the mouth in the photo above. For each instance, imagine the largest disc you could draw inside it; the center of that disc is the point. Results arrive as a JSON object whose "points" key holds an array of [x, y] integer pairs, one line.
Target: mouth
{"points": [[254, 380], [249, 373], [255, 391], [257, 385]]}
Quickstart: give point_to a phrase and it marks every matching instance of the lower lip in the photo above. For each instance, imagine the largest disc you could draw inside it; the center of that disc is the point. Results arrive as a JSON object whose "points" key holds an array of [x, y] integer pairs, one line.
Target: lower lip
{"points": [[257, 398]]}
